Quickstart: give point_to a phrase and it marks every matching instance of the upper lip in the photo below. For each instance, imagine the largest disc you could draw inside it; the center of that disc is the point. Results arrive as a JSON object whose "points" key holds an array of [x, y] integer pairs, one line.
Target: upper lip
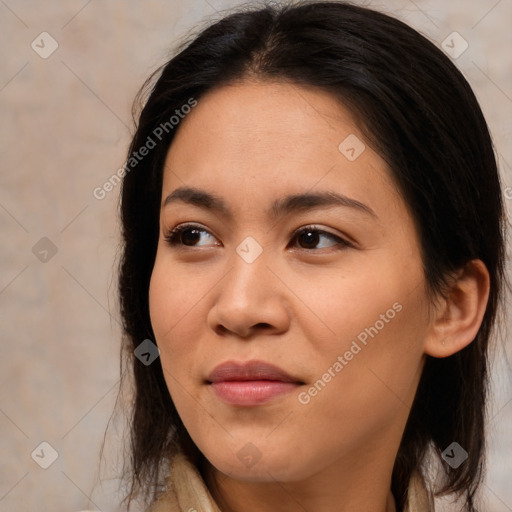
{"points": [[248, 370]]}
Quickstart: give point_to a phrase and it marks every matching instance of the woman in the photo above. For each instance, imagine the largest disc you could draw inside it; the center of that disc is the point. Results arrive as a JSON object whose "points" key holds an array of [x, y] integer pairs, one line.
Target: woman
{"points": [[313, 238]]}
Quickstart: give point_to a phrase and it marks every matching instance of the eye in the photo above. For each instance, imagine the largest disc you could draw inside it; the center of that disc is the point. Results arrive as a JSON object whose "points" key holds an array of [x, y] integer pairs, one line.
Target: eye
{"points": [[186, 234], [189, 235], [310, 236]]}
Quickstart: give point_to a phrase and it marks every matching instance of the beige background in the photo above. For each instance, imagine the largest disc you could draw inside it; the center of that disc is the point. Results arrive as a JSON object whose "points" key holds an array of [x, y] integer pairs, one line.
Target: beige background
{"points": [[64, 129]]}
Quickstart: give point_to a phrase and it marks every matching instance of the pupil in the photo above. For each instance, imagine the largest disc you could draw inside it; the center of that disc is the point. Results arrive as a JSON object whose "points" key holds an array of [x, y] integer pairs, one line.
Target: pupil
{"points": [[195, 237], [310, 238]]}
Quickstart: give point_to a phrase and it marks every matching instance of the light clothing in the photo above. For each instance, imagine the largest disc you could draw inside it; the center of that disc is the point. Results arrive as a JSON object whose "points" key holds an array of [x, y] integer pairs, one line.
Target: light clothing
{"points": [[187, 491]]}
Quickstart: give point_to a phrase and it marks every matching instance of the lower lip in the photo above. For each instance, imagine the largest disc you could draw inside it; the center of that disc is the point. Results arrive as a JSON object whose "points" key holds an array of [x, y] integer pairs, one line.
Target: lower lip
{"points": [[251, 392]]}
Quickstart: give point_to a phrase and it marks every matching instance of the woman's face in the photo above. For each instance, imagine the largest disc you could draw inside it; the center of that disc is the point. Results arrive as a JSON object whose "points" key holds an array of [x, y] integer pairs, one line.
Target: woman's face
{"points": [[339, 307]]}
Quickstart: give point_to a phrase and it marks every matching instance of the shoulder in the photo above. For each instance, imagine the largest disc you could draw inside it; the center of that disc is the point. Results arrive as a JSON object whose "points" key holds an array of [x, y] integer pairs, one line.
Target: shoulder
{"points": [[185, 491], [419, 498], [167, 503]]}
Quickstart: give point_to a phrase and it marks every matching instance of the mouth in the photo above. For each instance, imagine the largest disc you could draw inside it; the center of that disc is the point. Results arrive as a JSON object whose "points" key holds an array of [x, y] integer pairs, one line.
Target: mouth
{"points": [[250, 383]]}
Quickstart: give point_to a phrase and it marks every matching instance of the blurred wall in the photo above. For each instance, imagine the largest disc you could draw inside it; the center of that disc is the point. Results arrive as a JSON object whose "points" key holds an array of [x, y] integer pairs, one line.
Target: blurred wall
{"points": [[68, 74]]}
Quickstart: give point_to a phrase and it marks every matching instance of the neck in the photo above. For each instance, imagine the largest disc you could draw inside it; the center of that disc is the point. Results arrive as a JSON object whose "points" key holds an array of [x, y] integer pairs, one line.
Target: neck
{"points": [[334, 489]]}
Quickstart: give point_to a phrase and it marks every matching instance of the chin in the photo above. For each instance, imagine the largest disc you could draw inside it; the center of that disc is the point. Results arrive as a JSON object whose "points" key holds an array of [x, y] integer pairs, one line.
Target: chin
{"points": [[251, 465]]}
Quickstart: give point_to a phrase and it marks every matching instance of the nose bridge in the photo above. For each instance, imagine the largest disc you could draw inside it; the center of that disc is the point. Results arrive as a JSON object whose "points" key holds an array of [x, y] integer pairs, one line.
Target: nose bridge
{"points": [[250, 250], [247, 295], [249, 268]]}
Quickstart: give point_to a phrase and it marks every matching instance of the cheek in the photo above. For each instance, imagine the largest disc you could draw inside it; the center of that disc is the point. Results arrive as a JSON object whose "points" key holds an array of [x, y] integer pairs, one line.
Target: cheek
{"points": [[173, 302], [344, 305], [373, 385], [382, 355], [377, 324]]}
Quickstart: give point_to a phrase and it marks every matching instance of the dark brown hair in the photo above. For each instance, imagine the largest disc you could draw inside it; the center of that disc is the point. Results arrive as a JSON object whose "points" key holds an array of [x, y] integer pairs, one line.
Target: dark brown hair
{"points": [[420, 114]]}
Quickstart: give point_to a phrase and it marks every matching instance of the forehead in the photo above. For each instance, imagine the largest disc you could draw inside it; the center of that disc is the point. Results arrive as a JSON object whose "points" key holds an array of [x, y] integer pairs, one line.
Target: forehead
{"points": [[266, 139], [250, 116]]}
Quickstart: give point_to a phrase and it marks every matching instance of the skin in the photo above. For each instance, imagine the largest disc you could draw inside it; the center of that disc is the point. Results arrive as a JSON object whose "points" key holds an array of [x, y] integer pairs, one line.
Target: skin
{"points": [[298, 306]]}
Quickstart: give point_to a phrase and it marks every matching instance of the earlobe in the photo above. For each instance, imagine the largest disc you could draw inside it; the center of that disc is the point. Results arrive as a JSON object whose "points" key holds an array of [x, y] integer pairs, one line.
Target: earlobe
{"points": [[459, 314]]}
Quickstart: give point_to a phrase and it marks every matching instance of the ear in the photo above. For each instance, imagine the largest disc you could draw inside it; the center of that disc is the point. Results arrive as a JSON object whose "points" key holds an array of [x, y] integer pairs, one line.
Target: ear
{"points": [[459, 314]]}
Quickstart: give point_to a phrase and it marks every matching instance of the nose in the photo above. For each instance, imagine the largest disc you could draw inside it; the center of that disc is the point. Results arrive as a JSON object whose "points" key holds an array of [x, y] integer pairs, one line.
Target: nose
{"points": [[250, 300]]}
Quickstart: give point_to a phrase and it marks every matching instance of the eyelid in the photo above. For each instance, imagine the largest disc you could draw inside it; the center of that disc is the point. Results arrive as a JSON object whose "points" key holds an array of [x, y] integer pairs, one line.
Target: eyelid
{"points": [[341, 235], [170, 234], [342, 240]]}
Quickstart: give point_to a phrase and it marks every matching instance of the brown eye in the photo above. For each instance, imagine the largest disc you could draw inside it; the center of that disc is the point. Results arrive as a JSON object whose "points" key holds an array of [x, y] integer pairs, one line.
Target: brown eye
{"points": [[309, 237], [190, 236], [187, 235]]}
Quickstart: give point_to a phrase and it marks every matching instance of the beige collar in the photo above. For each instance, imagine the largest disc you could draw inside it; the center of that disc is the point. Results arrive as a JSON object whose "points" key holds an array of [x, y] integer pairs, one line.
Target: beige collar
{"points": [[187, 492]]}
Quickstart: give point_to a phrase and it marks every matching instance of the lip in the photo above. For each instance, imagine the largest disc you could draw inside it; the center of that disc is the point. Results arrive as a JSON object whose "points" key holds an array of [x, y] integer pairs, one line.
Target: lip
{"points": [[250, 383]]}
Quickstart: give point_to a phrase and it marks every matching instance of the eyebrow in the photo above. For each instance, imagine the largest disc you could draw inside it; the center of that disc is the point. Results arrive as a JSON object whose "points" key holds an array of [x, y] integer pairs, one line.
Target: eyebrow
{"points": [[279, 208]]}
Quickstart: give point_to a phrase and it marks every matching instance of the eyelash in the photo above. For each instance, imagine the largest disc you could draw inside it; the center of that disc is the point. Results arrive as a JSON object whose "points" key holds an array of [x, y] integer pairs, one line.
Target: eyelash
{"points": [[172, 237]]}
